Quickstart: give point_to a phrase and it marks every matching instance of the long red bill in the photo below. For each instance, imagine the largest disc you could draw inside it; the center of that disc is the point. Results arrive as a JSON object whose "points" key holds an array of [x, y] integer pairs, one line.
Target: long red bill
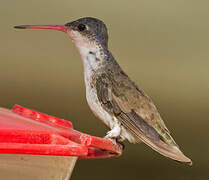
{"points": [[62, 28]]}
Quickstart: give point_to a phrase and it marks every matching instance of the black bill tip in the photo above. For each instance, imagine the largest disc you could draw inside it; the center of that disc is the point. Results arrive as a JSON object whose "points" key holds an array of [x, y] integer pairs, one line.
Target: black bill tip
{"points": [[21, 27]]}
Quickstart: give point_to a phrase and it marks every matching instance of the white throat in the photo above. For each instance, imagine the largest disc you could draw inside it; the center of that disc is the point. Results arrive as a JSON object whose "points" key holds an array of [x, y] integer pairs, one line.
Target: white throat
{"points": [[91, 58], [90, 53]]}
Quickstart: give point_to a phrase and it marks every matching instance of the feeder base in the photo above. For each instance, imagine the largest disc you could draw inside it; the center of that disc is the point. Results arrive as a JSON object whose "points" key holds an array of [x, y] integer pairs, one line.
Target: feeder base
{"points": [[34, 167]]}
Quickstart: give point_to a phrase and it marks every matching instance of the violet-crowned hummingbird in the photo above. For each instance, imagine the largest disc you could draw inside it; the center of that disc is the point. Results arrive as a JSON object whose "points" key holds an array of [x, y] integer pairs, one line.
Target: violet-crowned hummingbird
{"points": [[111, 95]]}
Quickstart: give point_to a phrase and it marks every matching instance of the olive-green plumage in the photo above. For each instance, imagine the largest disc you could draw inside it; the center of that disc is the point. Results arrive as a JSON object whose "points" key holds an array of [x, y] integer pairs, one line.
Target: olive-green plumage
{"points": [[121, 97]]}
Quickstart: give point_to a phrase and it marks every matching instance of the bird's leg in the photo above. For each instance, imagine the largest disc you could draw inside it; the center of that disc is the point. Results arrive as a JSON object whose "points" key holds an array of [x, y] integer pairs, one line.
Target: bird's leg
{"points": [[115, 132]]}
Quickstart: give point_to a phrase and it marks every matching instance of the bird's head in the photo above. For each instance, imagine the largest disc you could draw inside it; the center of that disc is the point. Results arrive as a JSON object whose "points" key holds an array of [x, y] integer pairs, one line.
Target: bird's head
{"points": [[85, 32]]}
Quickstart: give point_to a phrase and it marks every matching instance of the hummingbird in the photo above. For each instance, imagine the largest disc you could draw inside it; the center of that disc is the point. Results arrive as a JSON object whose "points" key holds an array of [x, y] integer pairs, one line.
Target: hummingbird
{"points": [[111, 95]]}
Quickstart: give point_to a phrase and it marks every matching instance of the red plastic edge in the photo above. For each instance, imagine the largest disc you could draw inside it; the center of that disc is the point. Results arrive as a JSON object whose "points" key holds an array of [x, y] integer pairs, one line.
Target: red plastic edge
{"points": [[25, 131]]}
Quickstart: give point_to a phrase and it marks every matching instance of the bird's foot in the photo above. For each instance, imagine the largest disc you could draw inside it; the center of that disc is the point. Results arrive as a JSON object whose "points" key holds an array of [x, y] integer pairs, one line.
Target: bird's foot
{"points": [[114, 134], [113, 140], [116, 141]]}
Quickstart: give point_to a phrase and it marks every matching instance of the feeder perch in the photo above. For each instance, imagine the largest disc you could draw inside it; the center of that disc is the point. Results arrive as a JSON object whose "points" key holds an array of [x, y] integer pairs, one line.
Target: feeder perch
{"points": [[38, 146]]}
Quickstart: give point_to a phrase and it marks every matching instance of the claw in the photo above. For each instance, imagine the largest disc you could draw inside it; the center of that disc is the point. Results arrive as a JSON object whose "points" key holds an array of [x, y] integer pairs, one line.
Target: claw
{"points": [[114, 140], [121, 144]]}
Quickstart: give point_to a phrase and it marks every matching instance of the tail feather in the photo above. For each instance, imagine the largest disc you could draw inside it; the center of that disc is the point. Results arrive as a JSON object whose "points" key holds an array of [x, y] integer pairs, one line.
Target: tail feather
{"points": [[172, 152]]}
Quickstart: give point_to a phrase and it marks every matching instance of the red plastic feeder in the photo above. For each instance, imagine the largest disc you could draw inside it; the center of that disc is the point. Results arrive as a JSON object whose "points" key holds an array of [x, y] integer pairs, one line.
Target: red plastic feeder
{"points": [[25, 132]]}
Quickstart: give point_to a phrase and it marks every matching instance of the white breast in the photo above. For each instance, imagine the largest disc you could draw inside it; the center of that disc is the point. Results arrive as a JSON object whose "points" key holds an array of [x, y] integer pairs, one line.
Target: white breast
{"points": [[90, 65]]}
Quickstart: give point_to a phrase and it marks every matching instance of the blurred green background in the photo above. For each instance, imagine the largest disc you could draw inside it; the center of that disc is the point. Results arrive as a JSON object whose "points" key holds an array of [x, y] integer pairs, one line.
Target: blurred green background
{"points": [[162, 45]]}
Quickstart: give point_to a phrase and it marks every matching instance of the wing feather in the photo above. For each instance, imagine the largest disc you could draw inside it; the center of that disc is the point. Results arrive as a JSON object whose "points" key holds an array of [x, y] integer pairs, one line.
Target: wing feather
{"points": [[136, 112]]}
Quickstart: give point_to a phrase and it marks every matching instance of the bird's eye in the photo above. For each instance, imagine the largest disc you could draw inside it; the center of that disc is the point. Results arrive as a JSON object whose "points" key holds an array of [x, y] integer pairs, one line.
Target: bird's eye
{"points": [[81, 27]]}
